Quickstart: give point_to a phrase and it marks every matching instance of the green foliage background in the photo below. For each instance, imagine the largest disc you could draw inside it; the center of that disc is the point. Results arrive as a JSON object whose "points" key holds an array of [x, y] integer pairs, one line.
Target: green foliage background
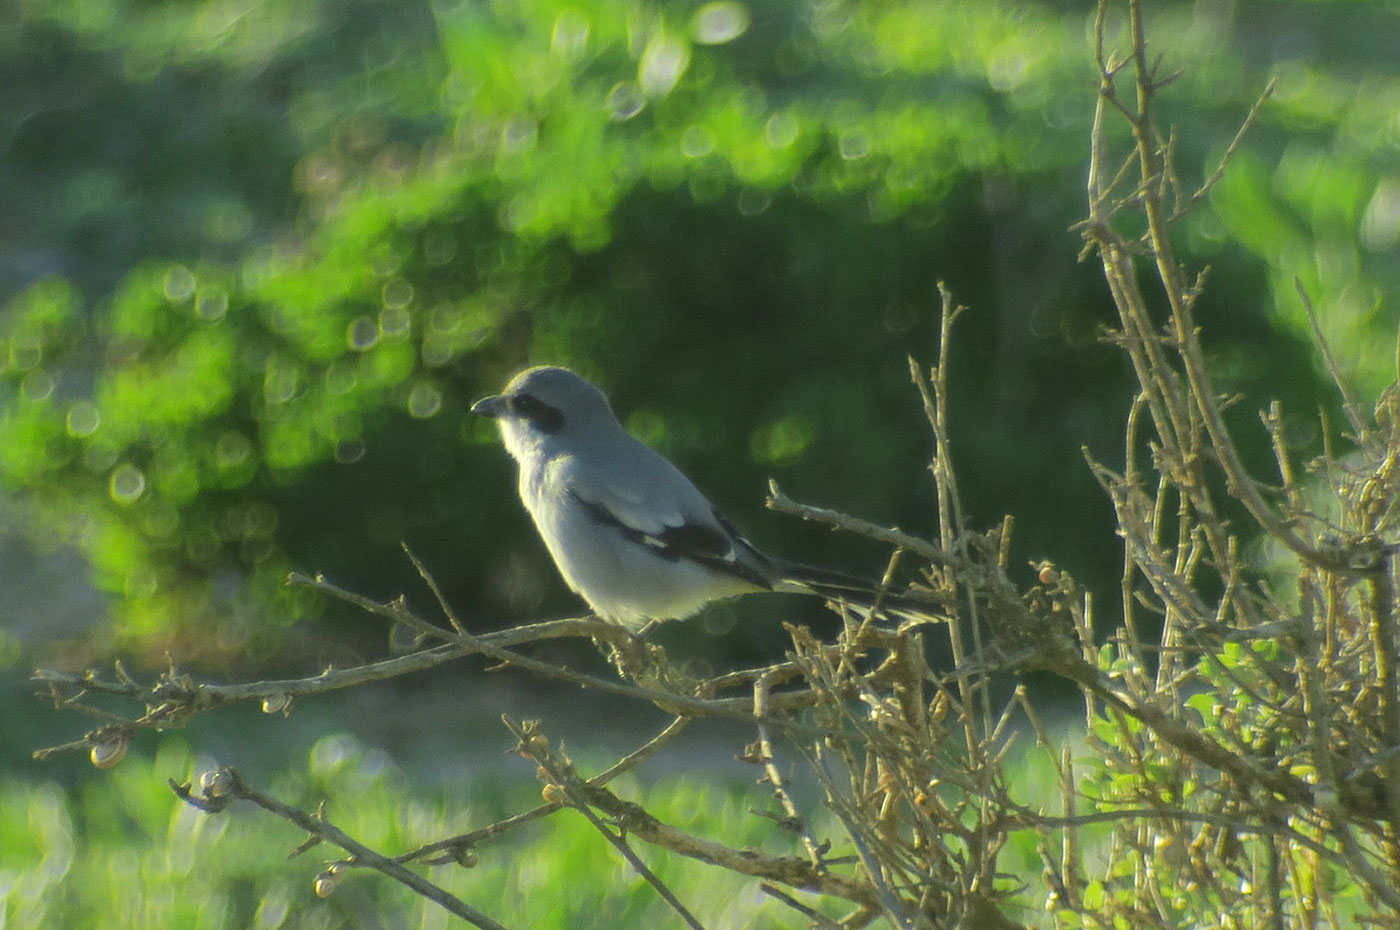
{"points": [[263, 257], [257, 258]]}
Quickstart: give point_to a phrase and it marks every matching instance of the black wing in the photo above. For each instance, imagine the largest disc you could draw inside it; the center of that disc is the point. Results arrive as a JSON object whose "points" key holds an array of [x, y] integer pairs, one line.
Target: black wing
{"points": [[716, 546]]}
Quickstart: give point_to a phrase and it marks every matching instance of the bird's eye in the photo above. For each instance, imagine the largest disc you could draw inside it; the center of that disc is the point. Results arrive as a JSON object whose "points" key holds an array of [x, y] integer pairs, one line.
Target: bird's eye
{"points": [[545, 418]]}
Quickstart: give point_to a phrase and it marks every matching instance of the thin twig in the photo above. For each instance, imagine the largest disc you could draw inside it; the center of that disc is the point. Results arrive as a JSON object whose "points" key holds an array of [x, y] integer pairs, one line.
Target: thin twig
{"points": [[1204, 190], [568, 783], [432, 584], [465, 841], [793, 871], [817, 918], [762, 697], [1349, 404], [232, 786], [780, 502]]}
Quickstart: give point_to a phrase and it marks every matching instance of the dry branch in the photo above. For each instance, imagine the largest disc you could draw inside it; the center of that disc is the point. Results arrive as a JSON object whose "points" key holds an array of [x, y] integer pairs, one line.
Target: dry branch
{"points": [[222, 787]]}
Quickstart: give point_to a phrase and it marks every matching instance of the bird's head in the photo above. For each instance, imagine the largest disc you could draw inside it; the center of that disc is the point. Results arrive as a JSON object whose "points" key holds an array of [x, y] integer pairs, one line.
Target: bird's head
{"points": [[542, 403]]}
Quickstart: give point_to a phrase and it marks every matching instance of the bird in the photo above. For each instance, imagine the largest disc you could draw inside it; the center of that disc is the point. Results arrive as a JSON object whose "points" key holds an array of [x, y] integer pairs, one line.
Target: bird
{"points": [[627, 530]]}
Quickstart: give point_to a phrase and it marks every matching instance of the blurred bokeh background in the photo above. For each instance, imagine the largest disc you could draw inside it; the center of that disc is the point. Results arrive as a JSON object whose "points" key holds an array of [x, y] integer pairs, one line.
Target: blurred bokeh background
{"points": [[258, 258]]}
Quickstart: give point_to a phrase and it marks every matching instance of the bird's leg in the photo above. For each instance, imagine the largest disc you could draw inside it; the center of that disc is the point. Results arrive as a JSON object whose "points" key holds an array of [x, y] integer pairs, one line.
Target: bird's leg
{"points": [[636, 659]]}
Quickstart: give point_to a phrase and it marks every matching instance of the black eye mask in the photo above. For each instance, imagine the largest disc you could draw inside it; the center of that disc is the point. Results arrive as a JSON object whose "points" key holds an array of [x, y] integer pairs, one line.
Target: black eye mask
{"points": [[545, 418]]}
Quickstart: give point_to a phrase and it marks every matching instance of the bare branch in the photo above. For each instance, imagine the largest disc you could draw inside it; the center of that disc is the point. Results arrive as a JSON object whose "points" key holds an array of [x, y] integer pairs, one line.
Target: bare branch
{"points": [[226, 785], [1349, 404], [533, 744], [635, 820], [452, 848]]}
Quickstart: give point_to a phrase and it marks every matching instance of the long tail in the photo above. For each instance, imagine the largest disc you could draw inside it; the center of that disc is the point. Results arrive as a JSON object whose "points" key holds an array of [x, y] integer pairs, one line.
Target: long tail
{"points": [[861, 596]]}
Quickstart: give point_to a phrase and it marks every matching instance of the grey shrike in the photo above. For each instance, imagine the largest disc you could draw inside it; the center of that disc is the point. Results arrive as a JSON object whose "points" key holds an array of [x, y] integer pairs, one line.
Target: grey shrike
{"points": [[627, 530]]}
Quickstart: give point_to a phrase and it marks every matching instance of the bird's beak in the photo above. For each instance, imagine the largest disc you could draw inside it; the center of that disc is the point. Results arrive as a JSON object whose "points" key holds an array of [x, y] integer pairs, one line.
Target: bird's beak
{"points": [[493, 407]]}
